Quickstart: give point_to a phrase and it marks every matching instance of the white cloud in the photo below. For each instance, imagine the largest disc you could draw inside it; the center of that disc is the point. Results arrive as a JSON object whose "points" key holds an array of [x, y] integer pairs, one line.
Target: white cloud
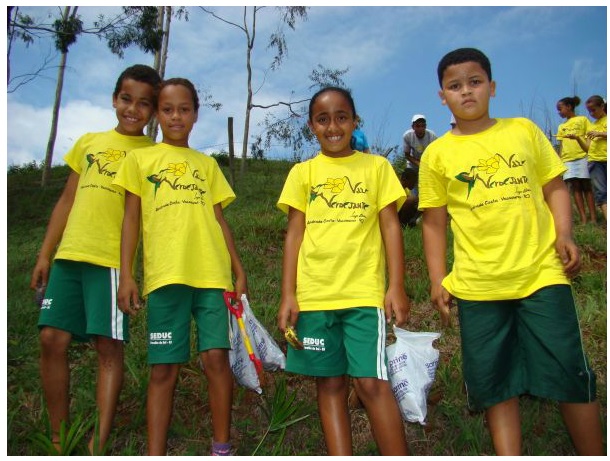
{"points": [[29, 128]]}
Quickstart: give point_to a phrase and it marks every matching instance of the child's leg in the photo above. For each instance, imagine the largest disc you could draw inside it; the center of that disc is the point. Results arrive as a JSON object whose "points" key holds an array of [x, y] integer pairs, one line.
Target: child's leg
{"points": [[577, 193], [109, 384], [55, 375], [584, 426], [334, 414], [588, 193], [505, 427], [220, 391], [159, 405], [384, 415]]}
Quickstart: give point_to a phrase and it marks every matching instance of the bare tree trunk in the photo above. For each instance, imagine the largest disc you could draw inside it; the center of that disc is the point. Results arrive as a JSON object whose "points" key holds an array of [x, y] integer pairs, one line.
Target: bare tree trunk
{"points": [[48, 160], [164, 18], [231, 152], [250, 43]]}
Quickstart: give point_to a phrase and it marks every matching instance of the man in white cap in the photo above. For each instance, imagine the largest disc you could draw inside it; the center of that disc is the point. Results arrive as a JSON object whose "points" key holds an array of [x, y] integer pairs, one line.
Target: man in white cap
{"points": [[416, 140]]}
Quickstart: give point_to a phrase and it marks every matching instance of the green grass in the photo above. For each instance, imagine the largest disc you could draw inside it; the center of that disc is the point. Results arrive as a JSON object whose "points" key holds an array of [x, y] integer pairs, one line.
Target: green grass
{"points": [[258, 227]]}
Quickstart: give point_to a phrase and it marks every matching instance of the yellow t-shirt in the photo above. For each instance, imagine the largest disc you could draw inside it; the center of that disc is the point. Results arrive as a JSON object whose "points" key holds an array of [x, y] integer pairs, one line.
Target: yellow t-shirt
{"points": [[341, 261], [182, 240], [504, 233], [598, 149], [93, 229], [570, 149]]}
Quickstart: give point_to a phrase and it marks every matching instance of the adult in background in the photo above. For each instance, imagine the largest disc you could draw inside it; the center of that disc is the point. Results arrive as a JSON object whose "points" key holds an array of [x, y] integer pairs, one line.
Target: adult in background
{"points": [[416, 140]]}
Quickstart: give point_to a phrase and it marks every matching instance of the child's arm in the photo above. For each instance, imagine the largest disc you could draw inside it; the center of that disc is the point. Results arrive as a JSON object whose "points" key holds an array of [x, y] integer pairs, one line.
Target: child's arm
{"points": [[289, 308], [583, 143], [396, 299], [241, 281], [128, 295], [434, 231], [558, 198], [55, 230]]}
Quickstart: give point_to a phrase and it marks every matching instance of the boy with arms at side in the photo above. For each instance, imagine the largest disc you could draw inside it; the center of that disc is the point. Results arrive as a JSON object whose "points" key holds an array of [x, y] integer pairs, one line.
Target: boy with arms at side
{"points": [[500, 181], [343, 229], [80, 298]]}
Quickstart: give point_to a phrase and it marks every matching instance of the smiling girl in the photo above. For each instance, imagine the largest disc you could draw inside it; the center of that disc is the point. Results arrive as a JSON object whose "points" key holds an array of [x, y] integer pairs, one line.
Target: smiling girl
{"points": [[189, 254], [343, 229]]}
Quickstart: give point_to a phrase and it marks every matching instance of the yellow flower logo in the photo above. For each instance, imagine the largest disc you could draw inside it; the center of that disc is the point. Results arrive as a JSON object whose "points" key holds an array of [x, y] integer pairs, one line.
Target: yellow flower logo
{"points": [[113, 155], [335, 185], [489, 166], [177, 169]]}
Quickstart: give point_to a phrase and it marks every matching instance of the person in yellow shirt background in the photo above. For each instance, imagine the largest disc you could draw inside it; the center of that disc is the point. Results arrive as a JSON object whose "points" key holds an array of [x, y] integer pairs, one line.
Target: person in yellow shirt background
{"points": [[595, 143], [575, 157]]}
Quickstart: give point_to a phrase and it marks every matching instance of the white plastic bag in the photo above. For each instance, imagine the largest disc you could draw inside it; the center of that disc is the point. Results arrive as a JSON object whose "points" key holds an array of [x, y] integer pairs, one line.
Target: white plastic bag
{"points": [[412, 362], [249, 356], [263, 343], [242, 366]]}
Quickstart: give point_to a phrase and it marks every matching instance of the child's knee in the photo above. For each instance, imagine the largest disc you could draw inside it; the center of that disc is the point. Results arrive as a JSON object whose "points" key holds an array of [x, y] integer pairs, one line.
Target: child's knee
{"points": [[370, 388], [163, 373], [333, 384], [108, 347], [215, 361], [54, 340]]}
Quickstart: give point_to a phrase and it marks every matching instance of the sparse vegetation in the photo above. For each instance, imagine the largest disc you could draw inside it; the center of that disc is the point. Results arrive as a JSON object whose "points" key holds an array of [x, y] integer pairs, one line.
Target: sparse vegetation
{"points": [[277, 422]]}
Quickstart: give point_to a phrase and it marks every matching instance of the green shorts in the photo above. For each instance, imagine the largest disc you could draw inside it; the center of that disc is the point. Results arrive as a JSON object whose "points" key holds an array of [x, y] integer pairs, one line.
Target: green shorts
{"points": [[169, 322], [524, 346], [81, 298], [338, 342]]}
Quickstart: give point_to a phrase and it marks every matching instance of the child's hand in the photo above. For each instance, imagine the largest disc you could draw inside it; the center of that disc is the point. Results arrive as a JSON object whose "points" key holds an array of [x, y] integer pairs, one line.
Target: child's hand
{"points": [[241, 287], [40, 274], [441, 299], [398, 305], [569, 255], [288, 314], [128, 296]]}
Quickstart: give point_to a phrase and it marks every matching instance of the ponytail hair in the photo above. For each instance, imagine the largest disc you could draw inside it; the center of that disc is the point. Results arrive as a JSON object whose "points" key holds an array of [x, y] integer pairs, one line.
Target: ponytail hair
{"points": [[572, 102]]}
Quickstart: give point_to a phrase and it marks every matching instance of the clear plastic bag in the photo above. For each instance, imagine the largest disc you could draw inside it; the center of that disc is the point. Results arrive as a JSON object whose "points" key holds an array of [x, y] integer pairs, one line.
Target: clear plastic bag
{"points": [[412, 363], [242, 366], [263, 343], [252, 347]]}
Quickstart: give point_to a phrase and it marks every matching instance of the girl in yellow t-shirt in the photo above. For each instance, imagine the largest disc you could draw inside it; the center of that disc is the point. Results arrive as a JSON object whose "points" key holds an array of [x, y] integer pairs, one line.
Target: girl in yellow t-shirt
{"points": [[342, 229], [597, 147], [189, 253], [575, 157]]}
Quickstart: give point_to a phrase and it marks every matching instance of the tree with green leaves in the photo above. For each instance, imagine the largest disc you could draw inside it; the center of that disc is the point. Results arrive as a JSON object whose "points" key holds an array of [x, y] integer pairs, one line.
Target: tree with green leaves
{"points": [[289, 15], [133, 26], [290, 128]]}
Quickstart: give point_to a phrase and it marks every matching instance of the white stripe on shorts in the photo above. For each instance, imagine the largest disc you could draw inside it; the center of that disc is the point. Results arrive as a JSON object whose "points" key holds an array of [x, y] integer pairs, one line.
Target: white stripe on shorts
{"points": [[382, 370], [116, 322]]}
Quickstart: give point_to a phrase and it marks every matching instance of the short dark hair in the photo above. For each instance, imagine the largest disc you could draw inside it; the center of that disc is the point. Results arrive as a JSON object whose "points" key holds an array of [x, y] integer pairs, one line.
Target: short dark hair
{"points": [[184, 82], [139, 73], [460, 56], [597, 100], [345, 92]]}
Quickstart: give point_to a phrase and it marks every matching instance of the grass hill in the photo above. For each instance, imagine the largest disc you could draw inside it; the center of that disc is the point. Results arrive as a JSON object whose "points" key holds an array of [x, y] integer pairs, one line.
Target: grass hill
{"points": [[258, 227]]}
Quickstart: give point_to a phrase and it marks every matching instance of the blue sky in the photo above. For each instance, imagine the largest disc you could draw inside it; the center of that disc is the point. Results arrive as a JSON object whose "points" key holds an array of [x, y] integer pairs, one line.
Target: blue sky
{"points": [[538, 55]]}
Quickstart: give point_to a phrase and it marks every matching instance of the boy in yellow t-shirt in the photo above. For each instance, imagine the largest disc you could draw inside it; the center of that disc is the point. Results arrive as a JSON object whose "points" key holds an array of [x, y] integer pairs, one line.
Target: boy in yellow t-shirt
{"points": [[80, 298], [343, 229], [500, 181]]}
